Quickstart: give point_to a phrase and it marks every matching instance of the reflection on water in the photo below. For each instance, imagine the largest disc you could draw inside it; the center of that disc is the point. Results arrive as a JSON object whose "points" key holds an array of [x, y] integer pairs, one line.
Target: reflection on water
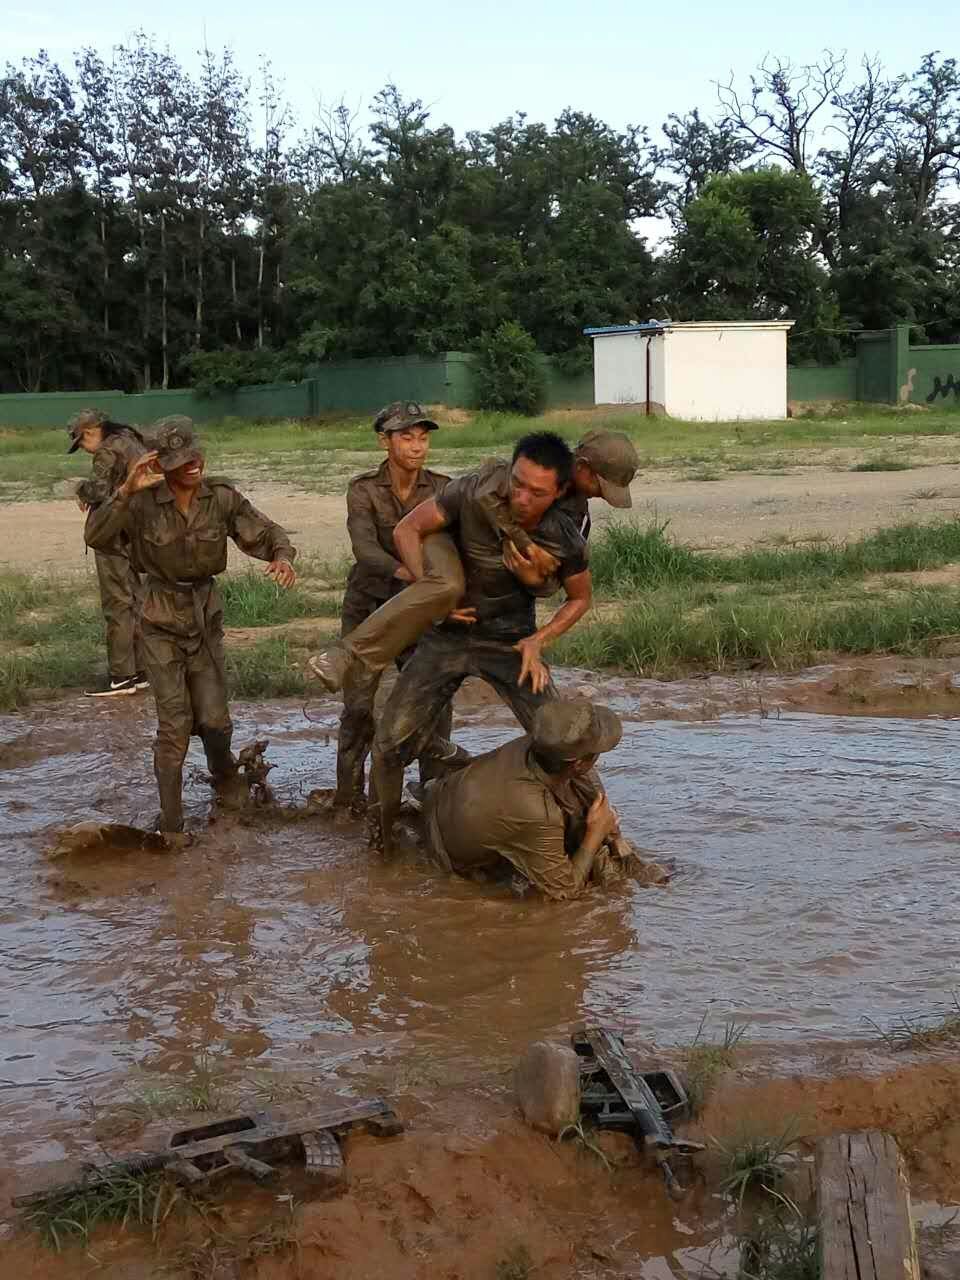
{"points": [[815, 885]]}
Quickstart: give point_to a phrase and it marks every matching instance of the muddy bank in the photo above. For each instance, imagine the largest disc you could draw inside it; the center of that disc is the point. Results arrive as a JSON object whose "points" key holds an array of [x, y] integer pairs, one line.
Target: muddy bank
{"points": [[469, 1192]]}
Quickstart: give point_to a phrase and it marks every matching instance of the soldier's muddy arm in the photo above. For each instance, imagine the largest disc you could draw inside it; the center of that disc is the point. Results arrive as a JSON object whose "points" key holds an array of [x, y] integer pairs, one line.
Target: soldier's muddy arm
{"points": [[107, 522], [579, 589], [362, 528], [416, 525], [97, 487]]}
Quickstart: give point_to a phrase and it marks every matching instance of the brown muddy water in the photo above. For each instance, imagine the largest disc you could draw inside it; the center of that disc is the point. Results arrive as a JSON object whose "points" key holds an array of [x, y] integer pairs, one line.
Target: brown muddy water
{"points": [[816, 885]]}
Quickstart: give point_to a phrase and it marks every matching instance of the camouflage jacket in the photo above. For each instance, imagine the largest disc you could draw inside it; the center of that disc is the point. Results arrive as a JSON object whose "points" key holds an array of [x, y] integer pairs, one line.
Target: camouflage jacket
{"points": [[181, 554], [111, 462]]}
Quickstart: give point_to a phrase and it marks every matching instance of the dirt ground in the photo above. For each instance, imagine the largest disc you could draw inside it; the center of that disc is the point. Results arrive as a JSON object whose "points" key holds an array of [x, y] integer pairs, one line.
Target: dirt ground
{"points": [[469, 1193], [733, 511]]}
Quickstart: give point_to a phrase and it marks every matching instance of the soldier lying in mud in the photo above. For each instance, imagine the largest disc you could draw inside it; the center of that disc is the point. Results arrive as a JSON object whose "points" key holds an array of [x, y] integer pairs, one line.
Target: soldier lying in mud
{"points": [[517, 811], [176, 522]]}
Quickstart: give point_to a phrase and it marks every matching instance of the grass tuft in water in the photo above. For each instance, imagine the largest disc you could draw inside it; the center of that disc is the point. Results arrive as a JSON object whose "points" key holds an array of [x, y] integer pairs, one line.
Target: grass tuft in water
{"points": [[706, 1059], [756, 1162], [782, 1244], [921, 1031]]}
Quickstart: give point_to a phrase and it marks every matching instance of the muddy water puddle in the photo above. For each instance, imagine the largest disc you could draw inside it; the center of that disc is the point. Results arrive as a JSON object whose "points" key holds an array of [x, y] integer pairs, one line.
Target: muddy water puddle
{"points": [[816, 885]]}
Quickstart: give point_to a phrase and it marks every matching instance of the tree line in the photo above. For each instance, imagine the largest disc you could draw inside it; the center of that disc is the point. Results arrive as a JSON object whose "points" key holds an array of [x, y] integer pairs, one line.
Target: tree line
{"points": [[163, 228]]}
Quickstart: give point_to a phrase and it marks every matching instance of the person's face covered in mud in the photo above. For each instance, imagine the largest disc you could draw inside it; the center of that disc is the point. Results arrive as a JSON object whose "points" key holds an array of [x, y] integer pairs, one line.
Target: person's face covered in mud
{"points": [[189, 475], [533, 490], [407, 449]]}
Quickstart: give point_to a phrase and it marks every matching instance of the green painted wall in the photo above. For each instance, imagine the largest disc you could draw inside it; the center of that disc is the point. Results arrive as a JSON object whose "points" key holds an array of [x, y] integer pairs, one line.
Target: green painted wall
{"points": [[877, 366], [932, 376], [823, 382], [350, 386]]}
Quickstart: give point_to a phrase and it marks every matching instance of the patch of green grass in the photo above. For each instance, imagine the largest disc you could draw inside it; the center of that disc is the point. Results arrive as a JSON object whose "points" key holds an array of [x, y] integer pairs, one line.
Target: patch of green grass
{"points": [[264, 670], [883, 463], [670, 631], [921, 1031], [627, 558], [321, 455], [706, 1059], [253, 600], [781, 1245], [123, 1199], [755, 1162]]}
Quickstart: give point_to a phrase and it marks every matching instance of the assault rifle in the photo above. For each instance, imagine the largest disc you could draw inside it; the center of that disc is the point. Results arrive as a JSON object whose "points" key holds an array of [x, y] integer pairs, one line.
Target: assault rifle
{"points": [[615, 1095], [247, 1142]]}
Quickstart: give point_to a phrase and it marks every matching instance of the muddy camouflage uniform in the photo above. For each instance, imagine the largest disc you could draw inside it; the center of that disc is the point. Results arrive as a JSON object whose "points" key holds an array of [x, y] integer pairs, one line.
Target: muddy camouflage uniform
{"points": [[119, 582], [503, 812], [182, 610], [506, 612], [373, 512]]}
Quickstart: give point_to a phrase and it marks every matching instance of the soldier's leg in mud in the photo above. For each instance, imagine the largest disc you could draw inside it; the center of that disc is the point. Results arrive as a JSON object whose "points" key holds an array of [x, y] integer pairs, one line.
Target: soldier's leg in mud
{"points": [[356, 737], [166, 667], [399, 624], [207, 685], [409, 720], [118, 602]]}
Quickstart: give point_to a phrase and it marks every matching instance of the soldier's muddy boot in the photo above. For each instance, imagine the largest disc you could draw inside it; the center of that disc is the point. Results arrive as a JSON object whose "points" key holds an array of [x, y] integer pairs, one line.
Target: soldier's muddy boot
{"points": [[230, 785], [330, 667], [170, 786]]}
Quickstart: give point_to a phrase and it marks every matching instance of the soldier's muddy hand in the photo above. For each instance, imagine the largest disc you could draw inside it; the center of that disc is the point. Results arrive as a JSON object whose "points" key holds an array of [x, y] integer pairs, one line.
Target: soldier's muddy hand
{"points": [[532, 668], [531, 568], [467, 615], [403, 574], [142, 475], [282, 572], [601, 819]]}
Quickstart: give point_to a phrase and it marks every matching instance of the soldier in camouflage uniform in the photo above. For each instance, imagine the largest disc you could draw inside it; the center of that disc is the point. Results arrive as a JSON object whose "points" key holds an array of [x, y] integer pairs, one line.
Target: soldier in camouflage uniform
{"points": [[376, 502], [113, 446], [177, 522]]}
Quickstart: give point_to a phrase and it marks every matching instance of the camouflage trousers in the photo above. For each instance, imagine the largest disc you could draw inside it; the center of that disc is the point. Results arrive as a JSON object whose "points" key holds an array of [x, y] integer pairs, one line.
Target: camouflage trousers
{"points": [[188, 678], [120, 592], [357, 725]]}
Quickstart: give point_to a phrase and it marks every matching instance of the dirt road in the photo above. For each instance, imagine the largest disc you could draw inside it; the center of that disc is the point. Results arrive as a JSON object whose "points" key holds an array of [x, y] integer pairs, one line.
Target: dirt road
{"points": [[734, 511]]}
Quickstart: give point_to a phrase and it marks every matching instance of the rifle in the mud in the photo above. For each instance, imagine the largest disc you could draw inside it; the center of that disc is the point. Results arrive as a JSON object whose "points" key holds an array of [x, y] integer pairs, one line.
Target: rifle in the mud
{"points": [[615, 1095], [246, 1142]]}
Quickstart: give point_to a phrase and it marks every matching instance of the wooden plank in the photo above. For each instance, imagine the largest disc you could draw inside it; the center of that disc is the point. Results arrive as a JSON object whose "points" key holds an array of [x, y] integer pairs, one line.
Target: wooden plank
{"points": [[863, 1198]]}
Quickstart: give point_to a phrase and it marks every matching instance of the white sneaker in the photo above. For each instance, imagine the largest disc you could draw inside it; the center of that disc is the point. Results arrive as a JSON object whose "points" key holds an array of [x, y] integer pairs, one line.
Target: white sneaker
{"points": [[113, 689]]}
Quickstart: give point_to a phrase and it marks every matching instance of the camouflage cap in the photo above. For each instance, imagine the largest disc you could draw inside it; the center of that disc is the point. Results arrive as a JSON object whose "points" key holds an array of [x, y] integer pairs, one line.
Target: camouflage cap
{"points": [[176, 442], [403, 414], [79, 423], [614, 461], [572, 729]]}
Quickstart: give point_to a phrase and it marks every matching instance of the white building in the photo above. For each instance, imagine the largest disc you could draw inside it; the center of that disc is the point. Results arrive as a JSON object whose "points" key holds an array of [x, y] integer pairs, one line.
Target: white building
{"points": [[706, 371]]}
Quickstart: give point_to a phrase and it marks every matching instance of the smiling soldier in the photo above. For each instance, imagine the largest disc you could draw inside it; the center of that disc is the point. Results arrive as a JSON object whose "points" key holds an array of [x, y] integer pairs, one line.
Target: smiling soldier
{"points": [[177, 522]]}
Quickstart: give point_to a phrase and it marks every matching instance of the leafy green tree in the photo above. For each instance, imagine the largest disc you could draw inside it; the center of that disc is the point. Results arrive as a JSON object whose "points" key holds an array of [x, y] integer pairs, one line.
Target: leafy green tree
{"points": [[509, 374]]}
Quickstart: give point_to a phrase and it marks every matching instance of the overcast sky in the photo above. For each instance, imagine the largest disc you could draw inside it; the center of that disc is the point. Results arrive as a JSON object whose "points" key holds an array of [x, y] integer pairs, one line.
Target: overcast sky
{"points": [[474, 64]]}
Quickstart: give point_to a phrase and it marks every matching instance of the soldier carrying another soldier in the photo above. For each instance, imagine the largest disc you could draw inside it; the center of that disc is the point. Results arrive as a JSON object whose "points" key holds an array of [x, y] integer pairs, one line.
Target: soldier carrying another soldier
{"points": [[604, 464], [113, 446], [177, 523]]}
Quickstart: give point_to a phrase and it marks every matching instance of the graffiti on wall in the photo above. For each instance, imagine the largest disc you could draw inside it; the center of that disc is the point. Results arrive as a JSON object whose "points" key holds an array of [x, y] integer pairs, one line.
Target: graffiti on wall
{"points": [[943, 387]]}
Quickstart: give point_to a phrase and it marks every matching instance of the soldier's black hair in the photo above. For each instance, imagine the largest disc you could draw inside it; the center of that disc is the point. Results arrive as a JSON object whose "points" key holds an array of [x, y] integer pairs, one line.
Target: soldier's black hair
{"points": [[547, 449], [112, 428]]}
